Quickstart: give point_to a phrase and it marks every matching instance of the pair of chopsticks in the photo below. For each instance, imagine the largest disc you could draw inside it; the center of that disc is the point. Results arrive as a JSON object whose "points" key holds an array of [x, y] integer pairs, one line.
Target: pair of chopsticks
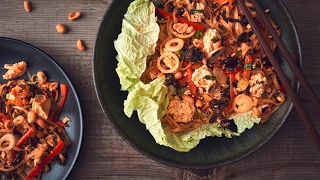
{"points": [[314, 99]]}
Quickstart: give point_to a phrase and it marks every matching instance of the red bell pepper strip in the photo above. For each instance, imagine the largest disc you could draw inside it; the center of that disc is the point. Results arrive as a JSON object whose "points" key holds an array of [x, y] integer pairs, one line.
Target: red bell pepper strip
{"points": [[25, 137], [166, 14], [192, 86], [183, 81], [61, 102], [3, 117], [52, 154], [22, 140], [248, 59], [187, 80], [185, 64], [196, 65]]}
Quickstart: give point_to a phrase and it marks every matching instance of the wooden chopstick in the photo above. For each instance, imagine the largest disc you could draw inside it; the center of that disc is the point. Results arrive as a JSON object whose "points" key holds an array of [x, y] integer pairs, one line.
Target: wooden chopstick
{"points": [[302, 112], [304, 83]]}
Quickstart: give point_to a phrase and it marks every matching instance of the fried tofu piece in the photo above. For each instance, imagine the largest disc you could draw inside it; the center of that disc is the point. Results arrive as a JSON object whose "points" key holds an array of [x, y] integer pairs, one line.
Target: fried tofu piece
{"points": [[41, 106]]}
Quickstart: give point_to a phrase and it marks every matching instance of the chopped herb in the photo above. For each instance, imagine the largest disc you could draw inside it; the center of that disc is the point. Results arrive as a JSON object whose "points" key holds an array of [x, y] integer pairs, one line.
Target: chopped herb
{"points": [[248, 65], [214, 40], [193, 11], [208, 77], [198, 34], [199, 114], [180, 54], [16, 115], [239, 53], [261, 82]]}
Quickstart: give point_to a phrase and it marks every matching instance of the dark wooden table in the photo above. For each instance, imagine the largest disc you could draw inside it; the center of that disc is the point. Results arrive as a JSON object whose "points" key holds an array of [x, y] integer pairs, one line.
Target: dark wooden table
{"points": [[290, 154]]}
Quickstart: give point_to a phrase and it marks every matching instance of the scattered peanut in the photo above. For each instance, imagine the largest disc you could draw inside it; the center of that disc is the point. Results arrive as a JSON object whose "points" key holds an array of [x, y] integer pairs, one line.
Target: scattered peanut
{"points": [[198, 103], [180, 27], [41, 76], [190, 29], [74, 16], [178, 75], [80, 45], [27, 6], [53, 86], [31, 117], [188, 98], [61, 28]]}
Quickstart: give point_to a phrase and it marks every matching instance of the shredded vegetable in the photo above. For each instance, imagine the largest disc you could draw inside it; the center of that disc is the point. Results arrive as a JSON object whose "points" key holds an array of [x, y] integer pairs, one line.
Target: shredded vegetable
{"points": [[30, 132]]}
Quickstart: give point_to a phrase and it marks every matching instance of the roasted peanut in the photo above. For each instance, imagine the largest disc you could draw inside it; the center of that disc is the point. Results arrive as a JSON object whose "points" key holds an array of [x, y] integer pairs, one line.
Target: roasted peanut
{"points": [[53, 86], [188, 98], [31, 116], [80, 45], [41, 76], [27, 6], [190, 29], [180, 27], [61, 28], [177, 75], [198, 103], [74, 16]]}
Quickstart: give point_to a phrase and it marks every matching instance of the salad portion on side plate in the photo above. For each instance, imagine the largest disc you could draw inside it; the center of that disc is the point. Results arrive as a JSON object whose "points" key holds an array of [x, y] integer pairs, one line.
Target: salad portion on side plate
{"points": [[41, 118]]}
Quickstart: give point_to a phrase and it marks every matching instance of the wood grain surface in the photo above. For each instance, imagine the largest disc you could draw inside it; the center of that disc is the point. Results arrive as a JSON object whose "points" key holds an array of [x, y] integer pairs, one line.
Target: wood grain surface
{"points": [[290, 154]]}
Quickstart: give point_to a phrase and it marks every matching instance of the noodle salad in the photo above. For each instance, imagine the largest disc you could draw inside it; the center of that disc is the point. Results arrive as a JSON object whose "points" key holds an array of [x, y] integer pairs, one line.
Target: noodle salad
{"points": [[203, 71], [31, 135]]}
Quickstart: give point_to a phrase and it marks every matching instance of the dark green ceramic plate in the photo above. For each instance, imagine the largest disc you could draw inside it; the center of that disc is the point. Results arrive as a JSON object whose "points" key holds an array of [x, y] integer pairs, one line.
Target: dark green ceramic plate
{"points": [[211, 152]]}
